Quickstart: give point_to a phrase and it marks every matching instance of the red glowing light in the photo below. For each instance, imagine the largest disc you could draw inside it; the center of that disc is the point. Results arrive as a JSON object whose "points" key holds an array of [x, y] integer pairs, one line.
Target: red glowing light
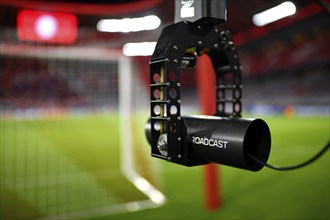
{"points": [[46, 27]]}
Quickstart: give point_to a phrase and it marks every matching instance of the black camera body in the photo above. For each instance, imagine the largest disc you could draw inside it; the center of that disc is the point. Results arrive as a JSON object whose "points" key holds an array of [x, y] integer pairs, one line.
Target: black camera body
{"points": [[219, 140]]}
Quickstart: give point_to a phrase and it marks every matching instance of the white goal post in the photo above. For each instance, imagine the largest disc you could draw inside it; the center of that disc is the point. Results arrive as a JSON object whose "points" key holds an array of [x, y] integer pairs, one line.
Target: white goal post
{"points": [[126, 84], [156, 197]]}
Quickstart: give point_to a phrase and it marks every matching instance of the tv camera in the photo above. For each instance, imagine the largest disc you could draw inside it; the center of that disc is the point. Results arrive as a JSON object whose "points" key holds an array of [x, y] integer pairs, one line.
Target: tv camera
{"points": [[223, 138]]}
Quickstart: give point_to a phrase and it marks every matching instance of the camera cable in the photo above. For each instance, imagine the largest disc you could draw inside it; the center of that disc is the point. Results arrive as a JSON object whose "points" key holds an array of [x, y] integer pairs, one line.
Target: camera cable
{"points": [[314, 158]]}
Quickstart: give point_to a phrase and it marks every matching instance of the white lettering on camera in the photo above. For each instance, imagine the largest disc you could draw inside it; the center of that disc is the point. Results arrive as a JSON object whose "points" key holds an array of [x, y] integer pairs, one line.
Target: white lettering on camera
{"points": [[209, 142]]}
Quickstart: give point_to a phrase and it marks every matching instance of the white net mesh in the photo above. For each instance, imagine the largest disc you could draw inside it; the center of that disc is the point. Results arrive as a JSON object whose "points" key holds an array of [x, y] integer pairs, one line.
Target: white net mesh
{"points": [[72, 145]]}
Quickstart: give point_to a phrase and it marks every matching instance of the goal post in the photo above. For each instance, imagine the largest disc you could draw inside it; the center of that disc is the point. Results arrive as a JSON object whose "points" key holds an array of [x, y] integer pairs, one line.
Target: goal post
{"points": [[70, 146], [126, 85]]}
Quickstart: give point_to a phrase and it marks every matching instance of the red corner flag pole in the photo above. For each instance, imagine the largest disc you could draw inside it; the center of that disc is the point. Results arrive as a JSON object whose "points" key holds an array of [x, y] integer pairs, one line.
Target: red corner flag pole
{"points": [[206, 89]]}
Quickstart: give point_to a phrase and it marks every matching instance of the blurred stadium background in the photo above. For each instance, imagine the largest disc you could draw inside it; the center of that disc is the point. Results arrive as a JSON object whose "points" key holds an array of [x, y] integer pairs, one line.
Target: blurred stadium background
{"points": [[73, 109]]}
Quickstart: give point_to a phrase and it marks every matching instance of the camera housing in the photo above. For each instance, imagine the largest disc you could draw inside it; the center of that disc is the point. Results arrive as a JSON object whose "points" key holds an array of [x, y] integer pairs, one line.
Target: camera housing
{"points": [[219, 140], [195, 140]]}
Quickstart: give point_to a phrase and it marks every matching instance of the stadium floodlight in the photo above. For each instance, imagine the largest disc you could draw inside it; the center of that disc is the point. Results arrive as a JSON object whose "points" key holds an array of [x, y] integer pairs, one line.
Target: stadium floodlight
{"points": [[139, 49], [126, 25], [273, 14]]}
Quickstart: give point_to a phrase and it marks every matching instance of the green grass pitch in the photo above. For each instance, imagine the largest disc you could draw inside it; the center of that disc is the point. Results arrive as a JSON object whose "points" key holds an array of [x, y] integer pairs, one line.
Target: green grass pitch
{"points": [[51, 166]]}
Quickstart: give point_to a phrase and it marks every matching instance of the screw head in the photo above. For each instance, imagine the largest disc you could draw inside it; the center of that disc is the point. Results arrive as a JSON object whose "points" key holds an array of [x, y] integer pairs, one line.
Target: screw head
{"points": [[162, 144]]}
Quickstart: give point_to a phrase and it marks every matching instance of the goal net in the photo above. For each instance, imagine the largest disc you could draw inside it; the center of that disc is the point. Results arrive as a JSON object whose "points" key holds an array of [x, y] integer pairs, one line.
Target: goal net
{"points": [[72, 134]]}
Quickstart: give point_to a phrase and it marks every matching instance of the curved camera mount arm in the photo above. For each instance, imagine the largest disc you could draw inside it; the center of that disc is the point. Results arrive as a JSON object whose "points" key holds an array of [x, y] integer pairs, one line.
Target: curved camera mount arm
{"points": [[176, 49]]}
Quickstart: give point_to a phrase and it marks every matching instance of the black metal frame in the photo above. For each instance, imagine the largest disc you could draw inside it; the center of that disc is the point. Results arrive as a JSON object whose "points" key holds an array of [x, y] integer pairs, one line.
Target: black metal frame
{"points": [[168, 130]]}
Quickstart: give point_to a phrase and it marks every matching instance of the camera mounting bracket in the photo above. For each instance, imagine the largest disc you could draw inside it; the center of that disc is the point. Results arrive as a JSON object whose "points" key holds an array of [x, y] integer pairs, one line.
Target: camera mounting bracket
{"points": [[177, 48]]}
